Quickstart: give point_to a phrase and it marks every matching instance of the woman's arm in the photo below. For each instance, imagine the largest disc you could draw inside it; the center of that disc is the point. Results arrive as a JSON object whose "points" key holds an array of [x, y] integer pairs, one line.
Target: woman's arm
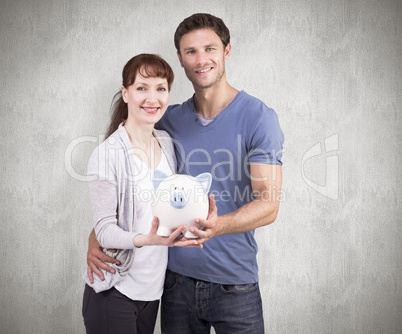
{"points": [[110, 235], [104, 198]]}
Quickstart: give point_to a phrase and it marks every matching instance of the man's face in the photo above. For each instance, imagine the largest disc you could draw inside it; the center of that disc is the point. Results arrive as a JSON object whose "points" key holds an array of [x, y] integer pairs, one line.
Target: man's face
{"points": [[203, 57]]}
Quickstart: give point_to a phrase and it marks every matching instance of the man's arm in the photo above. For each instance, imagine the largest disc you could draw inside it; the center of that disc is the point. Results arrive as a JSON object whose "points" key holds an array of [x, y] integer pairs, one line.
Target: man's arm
{"points": [[266, 183]]}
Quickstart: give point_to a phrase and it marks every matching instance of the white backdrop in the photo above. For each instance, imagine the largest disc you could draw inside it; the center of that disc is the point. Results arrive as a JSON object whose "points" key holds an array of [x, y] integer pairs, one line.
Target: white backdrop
{"points": [[331, 262]]}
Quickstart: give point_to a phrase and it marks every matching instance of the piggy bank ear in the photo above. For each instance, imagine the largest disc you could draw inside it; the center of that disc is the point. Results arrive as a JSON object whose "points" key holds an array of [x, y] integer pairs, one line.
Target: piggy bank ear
{"points": [[158, 178], [206, 180]]}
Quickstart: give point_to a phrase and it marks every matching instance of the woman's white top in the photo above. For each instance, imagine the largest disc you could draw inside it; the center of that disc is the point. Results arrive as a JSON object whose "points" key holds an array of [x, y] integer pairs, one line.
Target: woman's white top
{"points": [[147, 272]]}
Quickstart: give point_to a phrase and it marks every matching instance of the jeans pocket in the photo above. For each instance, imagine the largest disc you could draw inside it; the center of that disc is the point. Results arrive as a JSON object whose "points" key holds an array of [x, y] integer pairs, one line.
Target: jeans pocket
{"points": [[170, 280], [233, 288], [85, 301]]}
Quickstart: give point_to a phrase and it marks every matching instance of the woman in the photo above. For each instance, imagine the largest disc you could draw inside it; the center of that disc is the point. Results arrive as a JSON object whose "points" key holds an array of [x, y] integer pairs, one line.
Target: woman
{"points": [[121, 170]]}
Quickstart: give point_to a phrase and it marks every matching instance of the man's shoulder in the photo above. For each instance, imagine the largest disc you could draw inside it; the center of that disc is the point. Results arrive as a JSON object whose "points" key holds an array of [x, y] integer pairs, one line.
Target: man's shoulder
{"points": [[173, 108], [253, 104], [173, 113]]}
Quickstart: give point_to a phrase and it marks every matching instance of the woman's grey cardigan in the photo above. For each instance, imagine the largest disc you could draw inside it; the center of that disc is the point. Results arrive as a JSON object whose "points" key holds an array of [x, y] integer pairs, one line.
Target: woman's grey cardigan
{"points": [[111, 169]]}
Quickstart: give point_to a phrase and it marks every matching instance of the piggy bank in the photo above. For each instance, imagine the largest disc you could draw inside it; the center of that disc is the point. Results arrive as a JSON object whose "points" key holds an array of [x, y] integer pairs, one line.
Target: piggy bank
{"points": [[179, 199]]}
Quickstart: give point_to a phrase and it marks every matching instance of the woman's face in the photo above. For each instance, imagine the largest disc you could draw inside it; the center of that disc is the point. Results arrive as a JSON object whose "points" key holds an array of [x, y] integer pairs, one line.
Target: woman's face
{"points": [[147, 99]]}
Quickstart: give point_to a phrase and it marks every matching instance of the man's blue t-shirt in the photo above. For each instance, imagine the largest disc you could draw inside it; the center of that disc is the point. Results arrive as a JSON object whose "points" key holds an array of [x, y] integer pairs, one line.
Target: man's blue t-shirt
{"points": [[246, 131]]}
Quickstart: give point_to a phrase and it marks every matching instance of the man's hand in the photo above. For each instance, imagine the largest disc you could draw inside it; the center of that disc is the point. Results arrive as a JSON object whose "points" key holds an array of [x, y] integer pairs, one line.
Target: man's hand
{"points": [[210, 227], [152, 239], [96, 259]]}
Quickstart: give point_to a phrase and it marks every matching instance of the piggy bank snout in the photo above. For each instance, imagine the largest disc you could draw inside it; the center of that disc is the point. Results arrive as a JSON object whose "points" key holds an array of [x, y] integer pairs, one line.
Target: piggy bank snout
{"points": [[178, 199]]}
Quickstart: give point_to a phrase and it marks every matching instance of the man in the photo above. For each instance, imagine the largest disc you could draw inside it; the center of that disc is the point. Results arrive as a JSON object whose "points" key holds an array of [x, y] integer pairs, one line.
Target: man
{"points": [[238, 140]]}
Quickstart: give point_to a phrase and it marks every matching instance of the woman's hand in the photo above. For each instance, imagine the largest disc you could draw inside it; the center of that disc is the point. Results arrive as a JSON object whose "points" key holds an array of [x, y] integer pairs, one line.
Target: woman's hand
{"points": [[152, 239]]}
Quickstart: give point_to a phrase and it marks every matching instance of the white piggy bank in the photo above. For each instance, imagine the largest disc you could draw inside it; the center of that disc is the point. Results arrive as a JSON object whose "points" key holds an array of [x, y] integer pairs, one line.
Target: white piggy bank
{"points": [[179, 199]]}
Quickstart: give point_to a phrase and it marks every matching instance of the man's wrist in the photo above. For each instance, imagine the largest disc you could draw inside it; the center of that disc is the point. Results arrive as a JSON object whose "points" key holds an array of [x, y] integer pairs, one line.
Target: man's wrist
{"points": [[221, 224]]}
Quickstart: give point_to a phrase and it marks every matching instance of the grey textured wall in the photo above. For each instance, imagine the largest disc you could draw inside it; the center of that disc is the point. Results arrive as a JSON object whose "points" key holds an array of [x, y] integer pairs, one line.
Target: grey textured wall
{"points": [[331, 263]]}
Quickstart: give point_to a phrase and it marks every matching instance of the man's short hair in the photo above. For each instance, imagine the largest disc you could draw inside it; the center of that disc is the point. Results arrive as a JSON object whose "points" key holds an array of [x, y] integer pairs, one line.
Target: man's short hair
{"points": [[202, 21]]}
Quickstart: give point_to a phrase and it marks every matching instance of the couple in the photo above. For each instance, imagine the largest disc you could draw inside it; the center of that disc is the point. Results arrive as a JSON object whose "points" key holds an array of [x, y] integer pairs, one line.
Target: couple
{"points": [[211, 280]]}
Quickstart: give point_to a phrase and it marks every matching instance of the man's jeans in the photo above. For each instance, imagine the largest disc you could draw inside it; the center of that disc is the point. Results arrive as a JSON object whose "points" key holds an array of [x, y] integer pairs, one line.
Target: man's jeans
{"points": [[192, 306]]}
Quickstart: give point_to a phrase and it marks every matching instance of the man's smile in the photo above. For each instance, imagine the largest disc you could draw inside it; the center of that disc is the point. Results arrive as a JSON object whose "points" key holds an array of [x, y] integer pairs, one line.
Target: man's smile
{"points": [[204, 70]]}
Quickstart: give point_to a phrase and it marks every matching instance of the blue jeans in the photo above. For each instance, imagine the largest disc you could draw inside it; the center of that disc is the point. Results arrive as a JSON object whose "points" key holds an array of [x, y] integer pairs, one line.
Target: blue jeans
{"points": [[193, 306]]}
